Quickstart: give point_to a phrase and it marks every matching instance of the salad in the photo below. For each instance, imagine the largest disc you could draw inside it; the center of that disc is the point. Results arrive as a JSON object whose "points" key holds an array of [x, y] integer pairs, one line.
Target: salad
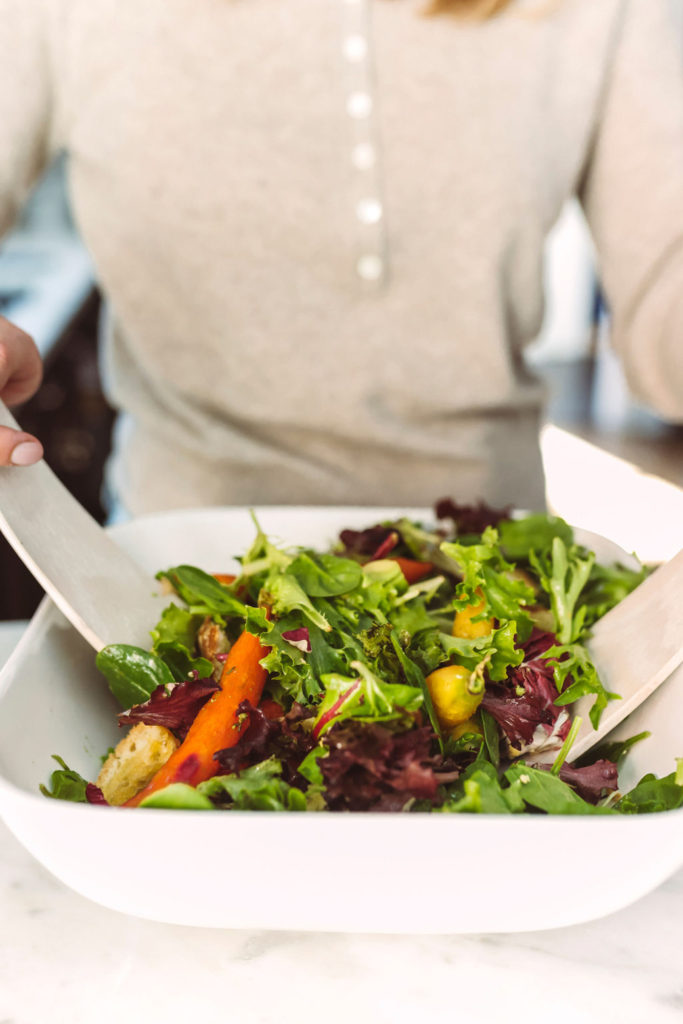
{"points": [[410, 667]]}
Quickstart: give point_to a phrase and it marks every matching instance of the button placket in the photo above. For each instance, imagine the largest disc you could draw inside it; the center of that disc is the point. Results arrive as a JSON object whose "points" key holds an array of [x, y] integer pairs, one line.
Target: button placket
{"points": [[367, 208]]}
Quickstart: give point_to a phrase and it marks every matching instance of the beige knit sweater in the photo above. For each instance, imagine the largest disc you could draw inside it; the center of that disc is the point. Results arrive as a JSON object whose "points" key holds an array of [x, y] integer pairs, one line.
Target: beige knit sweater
{"points": [[319, 228]]}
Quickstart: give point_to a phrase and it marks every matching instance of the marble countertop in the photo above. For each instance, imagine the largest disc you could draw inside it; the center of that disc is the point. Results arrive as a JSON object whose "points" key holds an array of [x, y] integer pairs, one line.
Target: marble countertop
{"points": [[65, 960]]}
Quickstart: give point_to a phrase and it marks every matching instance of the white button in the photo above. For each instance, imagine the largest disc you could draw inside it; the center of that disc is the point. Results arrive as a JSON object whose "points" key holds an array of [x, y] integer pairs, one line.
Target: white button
{"points": [[363, 156], [369, 211], [370, 267], [359, 104], [355, 48]]}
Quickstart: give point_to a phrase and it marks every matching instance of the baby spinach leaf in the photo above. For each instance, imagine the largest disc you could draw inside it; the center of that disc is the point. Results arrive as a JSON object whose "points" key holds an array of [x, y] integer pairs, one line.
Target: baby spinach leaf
{"points": [[325, 575], [178, 797], [66, 784], [652, 795], [532, 533], [478, 792], [177, 625], [283, 593], [202, 592], [309, 767], [547, 792], [132, 673], [181, 663]]}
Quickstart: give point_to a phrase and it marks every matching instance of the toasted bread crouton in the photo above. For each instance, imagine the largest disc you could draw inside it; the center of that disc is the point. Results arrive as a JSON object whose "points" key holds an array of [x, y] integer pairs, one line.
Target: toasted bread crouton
{"points": [[135, 760], [212, 640]]}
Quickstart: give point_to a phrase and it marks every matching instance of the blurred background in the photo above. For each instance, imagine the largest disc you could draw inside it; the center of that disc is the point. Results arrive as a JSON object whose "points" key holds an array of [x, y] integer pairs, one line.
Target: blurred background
{"points": [[596, 443]]}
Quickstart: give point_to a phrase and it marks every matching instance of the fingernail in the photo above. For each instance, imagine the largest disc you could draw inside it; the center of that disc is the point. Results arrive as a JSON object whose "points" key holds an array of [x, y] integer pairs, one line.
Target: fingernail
{"points": [[26, 453]]}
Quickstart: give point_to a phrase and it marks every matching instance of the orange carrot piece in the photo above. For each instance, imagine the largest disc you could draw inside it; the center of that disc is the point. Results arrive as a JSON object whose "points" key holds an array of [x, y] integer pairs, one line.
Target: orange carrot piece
{"points": [[216, 725], [412, 569], [225, 577]]}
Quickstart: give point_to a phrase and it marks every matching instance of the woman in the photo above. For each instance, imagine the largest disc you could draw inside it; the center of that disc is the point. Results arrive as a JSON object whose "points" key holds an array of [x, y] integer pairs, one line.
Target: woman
{"points": [[318, 227]]}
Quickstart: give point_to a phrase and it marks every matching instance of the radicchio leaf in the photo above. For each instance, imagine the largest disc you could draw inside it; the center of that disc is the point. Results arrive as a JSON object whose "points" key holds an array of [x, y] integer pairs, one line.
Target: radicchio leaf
{"points": [[470, 518], [592, 781], [524, 706], [94, 795], [299, 638], [267, 736], [370, 541], [371, 767], [174, 705], [538, 643]]}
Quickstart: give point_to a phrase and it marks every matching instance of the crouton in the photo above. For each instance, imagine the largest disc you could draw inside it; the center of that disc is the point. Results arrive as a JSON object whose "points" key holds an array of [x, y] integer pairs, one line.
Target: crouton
{"points": [[135, 760]]}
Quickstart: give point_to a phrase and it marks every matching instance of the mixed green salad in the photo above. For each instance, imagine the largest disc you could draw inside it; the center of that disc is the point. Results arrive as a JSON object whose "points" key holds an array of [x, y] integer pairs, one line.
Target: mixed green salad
{"points": [[410, 667]]}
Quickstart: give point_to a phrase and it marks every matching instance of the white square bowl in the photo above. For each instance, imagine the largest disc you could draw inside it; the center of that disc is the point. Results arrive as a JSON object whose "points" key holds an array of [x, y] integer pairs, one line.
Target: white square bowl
{"points": [[328, 872]]}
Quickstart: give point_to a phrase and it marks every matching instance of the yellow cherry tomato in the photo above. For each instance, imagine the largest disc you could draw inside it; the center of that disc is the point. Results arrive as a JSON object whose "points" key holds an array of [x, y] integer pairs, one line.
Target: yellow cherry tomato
{"points": [[453, 701], [465, 728], [464, 627]]}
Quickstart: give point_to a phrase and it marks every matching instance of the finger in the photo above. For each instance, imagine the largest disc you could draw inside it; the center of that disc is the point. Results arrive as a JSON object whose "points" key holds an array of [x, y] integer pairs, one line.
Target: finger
{"points": [[21, 368], [17, 448]]}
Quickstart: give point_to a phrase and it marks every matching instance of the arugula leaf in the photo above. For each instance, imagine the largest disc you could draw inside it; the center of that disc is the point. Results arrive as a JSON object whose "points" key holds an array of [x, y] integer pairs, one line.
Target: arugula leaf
{"points": [[258, 788], [518, 537], [204, 594], [614, 751], [66, 784], [132, 673], [325, 575], [416, 678], [574, 659], [607, 586], [563, 573], [547, 792], [491, 736]]}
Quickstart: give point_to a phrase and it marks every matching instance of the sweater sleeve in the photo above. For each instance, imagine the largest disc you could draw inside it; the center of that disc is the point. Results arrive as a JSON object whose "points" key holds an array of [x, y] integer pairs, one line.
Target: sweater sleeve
{"points": [[25, 103], [633, 198]]}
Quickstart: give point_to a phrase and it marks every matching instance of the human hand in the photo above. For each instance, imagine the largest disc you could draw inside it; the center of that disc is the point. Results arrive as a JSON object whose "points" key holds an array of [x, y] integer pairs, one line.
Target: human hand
{"points": [[21, 372]]}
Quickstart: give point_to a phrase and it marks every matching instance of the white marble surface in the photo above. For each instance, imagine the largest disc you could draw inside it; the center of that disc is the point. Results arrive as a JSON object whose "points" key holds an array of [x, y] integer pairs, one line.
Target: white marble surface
{"points": [[65, 960]]}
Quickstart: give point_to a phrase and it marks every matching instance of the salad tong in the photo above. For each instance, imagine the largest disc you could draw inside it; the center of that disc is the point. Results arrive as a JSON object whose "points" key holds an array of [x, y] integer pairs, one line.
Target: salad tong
{"points": [[109, 599], [99, 588]]}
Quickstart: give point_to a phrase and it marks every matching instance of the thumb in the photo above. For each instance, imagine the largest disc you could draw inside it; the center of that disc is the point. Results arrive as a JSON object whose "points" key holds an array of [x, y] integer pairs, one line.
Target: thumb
{"points": [[17, 448]]}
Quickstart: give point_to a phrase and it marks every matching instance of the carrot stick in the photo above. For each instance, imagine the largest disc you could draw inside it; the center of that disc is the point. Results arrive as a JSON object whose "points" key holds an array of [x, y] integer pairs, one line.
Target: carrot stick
{"points": [[216, 725], [412, 569]]}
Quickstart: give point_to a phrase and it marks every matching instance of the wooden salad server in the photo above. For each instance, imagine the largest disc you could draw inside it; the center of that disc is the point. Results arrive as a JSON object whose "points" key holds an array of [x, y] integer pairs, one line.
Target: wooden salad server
{"points": [[100, 589], [634, 647]]}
